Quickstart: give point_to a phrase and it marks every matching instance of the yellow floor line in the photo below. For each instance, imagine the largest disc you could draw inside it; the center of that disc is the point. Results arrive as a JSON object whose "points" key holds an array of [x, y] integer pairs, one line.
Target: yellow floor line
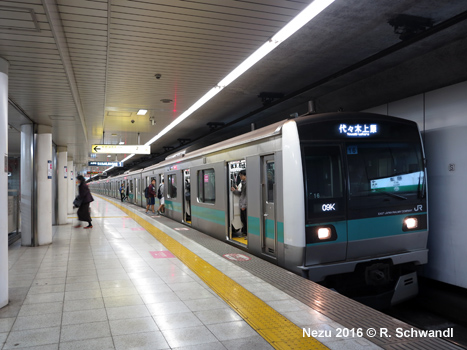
{"points": [[101, 217], [271, 325]]}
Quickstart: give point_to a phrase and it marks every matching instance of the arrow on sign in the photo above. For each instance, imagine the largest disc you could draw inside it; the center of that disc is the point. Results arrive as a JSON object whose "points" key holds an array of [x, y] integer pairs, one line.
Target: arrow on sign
{"points": [[97, 149]]}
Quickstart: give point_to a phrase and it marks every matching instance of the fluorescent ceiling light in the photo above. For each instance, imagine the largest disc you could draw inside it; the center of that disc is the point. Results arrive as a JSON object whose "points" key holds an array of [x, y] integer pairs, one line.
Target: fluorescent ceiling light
{"points": [[290, 28], [142, 112], [121, 143]]}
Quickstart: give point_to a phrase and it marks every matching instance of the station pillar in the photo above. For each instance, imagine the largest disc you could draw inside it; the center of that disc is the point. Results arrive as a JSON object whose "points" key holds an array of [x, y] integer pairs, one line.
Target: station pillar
{"points": [[27, 184], [3, 182], [44, 174], [71, 187], [62, 173]]}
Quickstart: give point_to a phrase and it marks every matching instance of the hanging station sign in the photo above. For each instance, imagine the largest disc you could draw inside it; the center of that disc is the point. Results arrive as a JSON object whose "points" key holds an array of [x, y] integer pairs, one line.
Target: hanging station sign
{"points": [[116, 164], [121, 149]]}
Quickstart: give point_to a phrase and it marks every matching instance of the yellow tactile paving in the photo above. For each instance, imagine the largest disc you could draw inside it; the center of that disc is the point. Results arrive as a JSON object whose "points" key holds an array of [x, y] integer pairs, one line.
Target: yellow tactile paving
{"points": [[271, 325], [101, 217]]}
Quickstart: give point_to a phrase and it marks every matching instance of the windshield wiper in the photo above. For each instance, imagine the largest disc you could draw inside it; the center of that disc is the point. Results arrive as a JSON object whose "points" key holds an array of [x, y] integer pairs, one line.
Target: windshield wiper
{"points": [[391, 194]]}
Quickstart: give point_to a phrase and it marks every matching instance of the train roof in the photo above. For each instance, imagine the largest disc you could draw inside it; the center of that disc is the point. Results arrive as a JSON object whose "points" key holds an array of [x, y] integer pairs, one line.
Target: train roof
{"points": [[348, 116], [252, 136], [268, 131]]}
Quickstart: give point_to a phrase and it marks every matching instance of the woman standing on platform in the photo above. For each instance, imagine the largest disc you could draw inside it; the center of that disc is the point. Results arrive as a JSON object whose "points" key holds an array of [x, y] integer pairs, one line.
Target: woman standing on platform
{"points": [[86, 199]]}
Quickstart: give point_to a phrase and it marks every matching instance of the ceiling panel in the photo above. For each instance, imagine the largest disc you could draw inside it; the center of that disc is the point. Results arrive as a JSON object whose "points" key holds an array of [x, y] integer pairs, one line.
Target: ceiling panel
{"points": [[85, 27], [115, 47]]}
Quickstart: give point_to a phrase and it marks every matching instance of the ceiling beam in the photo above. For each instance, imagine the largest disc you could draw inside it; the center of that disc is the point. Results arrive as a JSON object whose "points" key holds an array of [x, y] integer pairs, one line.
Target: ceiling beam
{"points": [[53, 16]]}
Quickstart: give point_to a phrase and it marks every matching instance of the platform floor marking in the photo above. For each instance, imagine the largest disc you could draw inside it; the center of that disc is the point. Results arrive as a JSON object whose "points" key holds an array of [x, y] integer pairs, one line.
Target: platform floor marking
{"points": [[101, 217], [271, 325]]}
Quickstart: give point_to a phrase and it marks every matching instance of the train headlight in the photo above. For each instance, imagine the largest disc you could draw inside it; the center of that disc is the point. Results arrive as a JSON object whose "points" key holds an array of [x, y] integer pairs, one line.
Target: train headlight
{"points": [[324, 233], [411, 223], [320, 234]]}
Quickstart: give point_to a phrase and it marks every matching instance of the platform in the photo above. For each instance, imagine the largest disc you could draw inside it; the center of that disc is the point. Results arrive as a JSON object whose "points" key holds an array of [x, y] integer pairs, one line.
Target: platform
{"points": [[146, 282]]}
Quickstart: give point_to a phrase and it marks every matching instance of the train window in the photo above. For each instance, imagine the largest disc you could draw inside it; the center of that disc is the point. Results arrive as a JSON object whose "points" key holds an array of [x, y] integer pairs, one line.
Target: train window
{"points": [[382, 169], [172, 186], [323, 181], [206, 186], [270, 181]]}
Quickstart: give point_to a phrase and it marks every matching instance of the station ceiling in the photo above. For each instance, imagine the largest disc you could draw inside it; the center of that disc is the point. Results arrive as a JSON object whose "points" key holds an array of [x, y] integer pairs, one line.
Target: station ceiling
{"points": [[85, 67]]}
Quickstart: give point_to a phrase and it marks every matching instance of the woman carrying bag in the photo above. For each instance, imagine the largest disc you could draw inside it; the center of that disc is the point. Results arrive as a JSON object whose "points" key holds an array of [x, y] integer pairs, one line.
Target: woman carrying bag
{"points": [[86, 198]]}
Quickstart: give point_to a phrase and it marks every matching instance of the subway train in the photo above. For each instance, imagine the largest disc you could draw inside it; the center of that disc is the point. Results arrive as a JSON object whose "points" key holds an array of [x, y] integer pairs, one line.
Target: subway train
{"points": [[340, 198]]}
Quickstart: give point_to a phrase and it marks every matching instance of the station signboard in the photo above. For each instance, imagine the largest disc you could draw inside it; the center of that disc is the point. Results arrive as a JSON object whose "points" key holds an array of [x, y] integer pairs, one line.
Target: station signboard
{"points": [[121, 149], [95, 163]]}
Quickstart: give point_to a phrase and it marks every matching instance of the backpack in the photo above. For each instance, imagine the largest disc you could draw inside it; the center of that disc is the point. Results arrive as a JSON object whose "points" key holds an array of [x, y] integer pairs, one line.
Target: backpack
{"points": [[146, 192], [159, 194]]}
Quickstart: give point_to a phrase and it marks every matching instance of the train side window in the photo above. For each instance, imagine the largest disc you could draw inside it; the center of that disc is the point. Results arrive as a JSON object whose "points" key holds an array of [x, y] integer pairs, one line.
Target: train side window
{"points": [[172, 186], [206, 186]]}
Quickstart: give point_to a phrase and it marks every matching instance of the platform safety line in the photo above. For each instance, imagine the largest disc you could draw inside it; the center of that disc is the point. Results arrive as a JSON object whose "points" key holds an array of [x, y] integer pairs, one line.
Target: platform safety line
{"points": [[270, 324], [102, 217]]}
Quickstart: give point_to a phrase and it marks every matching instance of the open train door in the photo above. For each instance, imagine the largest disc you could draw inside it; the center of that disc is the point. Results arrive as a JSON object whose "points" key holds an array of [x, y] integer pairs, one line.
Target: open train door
{"points": [[234, 221], [187, 197]]}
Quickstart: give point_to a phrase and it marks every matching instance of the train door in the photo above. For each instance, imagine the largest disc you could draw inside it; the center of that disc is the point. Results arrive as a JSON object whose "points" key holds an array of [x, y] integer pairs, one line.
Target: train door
{"points": [[235, 222], [187, 196], [130, 191], [137, 192], [158, 185], [145, 182], [268, 194]]}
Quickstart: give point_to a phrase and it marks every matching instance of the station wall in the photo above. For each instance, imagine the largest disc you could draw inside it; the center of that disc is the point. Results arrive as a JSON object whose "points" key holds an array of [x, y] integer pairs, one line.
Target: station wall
{"points": [[442, 117]]}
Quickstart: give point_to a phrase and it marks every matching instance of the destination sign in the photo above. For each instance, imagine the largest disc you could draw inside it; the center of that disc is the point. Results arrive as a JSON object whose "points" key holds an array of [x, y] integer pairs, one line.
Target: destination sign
{"points": [[116, 164], [358, 130], [122, 149]]}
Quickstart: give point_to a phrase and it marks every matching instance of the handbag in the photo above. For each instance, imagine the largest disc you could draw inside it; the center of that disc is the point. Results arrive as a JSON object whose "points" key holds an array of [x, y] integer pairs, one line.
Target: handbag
{"points": [[77, 202]]}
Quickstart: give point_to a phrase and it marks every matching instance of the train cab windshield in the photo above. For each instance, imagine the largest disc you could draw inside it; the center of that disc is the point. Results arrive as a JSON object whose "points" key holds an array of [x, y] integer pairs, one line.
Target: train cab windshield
{"points": [[385, 171]]}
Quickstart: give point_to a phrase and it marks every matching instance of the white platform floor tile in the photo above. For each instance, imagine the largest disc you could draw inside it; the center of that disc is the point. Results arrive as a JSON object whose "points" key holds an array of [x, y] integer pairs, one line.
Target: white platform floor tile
{"points": [[102, 289], [32, 338]]}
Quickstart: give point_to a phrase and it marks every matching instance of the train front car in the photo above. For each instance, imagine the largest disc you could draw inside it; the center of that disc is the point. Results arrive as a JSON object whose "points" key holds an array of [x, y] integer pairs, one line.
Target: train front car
{"points": [[365, 207]]}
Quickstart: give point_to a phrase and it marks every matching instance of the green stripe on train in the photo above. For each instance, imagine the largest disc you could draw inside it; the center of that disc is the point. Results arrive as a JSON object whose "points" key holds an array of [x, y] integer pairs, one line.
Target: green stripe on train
{"points": [[367, 228], [175, 206], [382, 226], [269, 228], [253, 226], [255, 229], [213, 215], [218, 217]]}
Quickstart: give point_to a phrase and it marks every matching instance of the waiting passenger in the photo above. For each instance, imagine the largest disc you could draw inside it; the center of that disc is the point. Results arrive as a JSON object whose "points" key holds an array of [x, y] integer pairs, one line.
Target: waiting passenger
{"points": [[243, 201], [152, 196]]}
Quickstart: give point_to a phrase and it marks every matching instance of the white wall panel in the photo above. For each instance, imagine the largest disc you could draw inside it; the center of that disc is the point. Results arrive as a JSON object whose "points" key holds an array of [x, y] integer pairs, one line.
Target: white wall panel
{"points": [[444, 113], [409, 108]]}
